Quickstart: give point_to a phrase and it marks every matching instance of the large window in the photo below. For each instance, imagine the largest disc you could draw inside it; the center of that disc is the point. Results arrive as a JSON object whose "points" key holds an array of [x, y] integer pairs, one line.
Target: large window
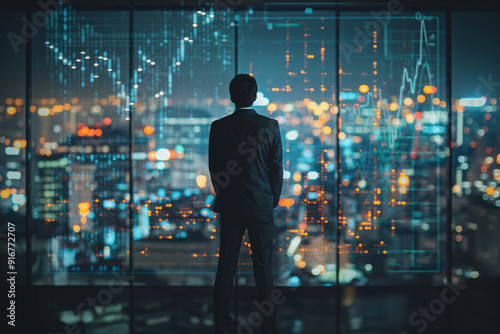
{"points": [[121, 104], [13, 139], [393, 144], [476, 147], [180, 79], [293, 57], [80, 148], [391, 164]]}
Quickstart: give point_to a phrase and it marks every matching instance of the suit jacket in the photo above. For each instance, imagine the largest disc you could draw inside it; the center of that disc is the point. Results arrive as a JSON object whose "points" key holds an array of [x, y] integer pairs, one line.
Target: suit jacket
{"points": [[245, 162]]}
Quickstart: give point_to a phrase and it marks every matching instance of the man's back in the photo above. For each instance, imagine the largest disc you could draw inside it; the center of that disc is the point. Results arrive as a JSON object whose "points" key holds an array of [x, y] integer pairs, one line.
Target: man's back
{"points": [[245, 162]]}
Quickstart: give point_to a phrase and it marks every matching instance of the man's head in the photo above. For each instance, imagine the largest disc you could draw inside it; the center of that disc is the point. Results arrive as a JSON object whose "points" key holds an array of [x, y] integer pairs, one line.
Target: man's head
{"points": [[243, 90]]}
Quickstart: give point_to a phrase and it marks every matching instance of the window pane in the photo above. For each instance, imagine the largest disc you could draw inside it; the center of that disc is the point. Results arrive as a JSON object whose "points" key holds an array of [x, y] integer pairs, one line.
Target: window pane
{"points": [[173, 309], [396, 309], [301, 310], [80, 178], [476, 155], [13, 141], [183, 62], [292, 56], [393, 148], [84, 309]]}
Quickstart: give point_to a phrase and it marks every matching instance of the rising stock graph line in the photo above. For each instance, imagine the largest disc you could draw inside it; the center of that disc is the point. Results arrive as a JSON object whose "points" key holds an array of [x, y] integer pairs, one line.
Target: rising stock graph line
{"points": [[410, 85], [152, 77], [406, 79], [384, 129], [375, 156]]}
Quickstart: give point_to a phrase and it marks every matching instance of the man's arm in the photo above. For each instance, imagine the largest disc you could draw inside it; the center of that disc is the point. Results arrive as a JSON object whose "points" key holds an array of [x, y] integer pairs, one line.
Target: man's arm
{"points": [[275, 166], [212, 156]]}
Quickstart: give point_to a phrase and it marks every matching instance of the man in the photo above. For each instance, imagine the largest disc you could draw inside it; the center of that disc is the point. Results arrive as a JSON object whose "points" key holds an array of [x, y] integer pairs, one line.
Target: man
{"points": [[245, 162]]}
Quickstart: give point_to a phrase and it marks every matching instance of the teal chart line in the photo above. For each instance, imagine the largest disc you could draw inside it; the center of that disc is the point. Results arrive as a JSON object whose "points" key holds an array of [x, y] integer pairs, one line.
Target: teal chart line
{"points": [[406, 80]]}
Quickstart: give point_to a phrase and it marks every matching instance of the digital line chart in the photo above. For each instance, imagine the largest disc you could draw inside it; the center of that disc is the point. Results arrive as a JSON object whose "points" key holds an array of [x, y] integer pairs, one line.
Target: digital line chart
{"points": [[413, 79], [397, 118]]}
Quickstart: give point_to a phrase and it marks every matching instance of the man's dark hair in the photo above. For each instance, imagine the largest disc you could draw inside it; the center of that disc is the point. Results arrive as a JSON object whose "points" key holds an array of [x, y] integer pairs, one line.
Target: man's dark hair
{"points": [[243, 90]]}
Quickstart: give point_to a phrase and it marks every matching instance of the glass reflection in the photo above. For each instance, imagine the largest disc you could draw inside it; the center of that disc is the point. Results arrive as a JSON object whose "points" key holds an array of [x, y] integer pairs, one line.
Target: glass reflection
{"points": [[401, 310], [476, 150], [393, 144], [80, 141], [393, 139], [180, 76], [292, 56], [13, 144]]}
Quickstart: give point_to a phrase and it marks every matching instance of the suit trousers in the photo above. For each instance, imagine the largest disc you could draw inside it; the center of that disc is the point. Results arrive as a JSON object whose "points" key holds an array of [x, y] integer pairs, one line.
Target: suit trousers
{"points": [[261, 234]]}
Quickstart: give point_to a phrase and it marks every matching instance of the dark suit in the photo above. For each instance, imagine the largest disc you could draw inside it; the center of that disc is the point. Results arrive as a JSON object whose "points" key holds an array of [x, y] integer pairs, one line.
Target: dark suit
{"points": [[245, 162]]}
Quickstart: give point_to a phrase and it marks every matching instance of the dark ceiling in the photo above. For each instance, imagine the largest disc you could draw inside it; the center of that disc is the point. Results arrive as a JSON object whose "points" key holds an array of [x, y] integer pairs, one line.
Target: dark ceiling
{"points": [[457, 5]]}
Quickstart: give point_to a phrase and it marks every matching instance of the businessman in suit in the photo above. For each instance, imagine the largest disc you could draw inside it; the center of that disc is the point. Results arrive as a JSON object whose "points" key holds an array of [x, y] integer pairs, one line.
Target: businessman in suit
{"points": [[245, 162]]}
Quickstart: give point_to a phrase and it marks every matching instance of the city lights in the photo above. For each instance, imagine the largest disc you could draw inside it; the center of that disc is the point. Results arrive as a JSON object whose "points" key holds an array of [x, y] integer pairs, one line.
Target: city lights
{"points": [[112, 149]]}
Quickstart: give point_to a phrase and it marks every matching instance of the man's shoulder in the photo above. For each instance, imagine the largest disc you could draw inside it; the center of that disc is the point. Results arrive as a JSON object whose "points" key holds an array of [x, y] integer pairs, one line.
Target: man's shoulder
{"points": [[269, 121], [266, 118], [219, 121]]}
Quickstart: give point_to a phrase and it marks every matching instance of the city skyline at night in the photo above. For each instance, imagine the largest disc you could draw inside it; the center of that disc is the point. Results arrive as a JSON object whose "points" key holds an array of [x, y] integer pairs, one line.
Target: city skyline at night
{"points": [[394, 113]]}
